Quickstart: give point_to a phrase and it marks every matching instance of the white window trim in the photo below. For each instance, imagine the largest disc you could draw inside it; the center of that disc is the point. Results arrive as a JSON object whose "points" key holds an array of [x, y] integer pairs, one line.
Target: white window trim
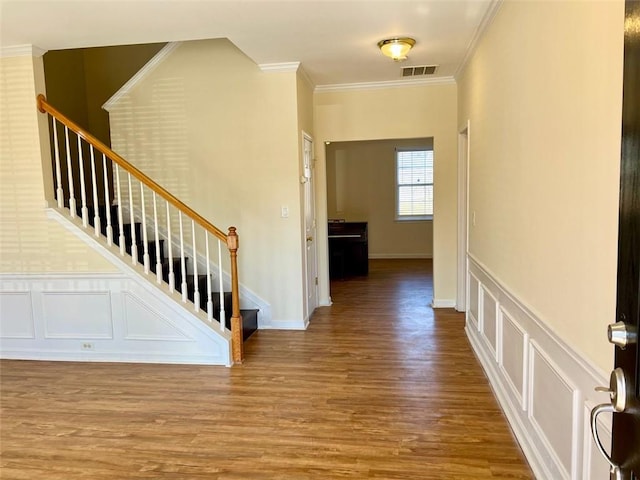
{"points": [[409, 218]]}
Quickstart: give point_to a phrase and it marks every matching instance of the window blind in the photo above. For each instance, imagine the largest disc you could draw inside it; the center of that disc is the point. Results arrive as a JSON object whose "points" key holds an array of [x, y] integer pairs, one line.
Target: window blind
{"points": [[414, 183]]}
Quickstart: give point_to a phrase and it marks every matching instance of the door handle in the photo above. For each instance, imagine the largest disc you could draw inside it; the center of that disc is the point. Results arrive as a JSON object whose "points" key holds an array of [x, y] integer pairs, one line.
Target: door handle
{"points": [[614, 470], [618, 393]]}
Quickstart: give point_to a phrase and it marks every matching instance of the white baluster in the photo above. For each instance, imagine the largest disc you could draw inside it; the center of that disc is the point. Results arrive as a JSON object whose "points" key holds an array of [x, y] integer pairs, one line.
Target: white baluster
{"points": [[223, 317], [196, 287], [134, 243], [183, 265], [107, 203], [120, 220], [83, 190], [94, 184], [172, 276], [72, 197], [145, 239], [155, 227], [56, 150], [209, 294]]}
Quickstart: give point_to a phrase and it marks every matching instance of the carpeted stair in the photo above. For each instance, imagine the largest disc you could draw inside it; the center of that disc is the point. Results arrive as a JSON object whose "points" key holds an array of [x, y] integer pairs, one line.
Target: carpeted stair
{"points": [[249, 316]]}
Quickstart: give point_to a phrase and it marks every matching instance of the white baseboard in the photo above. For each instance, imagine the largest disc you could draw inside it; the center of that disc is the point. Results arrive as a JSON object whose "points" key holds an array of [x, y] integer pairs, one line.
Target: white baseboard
{"points": [[398, 256], [285, 325], [545, 388], [443, 303]]}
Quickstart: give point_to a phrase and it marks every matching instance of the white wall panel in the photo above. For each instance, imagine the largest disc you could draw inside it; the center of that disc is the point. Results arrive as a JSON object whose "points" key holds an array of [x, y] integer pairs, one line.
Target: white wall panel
{"points": [[541, 383], [489, 318], [514, 356], [16, 316], [79, 315], [142, 322], [550, 387], [115, 318], [474, 306]]}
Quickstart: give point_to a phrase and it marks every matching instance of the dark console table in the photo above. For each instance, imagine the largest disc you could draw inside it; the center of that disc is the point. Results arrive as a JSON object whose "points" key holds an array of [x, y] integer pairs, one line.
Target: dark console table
{"points": [[348, 249]]}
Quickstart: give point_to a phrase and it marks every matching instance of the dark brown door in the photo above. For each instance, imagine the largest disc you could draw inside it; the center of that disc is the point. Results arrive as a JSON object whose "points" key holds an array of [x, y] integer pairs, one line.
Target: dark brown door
{"points": [[626, 424]]}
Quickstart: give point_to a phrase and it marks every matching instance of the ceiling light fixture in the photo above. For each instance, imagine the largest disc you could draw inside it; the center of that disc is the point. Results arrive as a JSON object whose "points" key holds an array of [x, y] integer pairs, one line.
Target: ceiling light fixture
{"points": [[396, 48]]}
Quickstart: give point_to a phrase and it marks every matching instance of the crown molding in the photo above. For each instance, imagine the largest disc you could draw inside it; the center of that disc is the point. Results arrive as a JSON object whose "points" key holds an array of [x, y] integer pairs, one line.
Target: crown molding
{"points": [[279, 67], [22, 51], [488, 17], [343, 87], [149, 67], [305, 76]]}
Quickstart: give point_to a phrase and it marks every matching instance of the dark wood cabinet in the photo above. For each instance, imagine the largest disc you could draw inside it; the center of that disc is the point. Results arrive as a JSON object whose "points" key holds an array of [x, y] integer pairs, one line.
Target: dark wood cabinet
{"points": [[348, 249]]}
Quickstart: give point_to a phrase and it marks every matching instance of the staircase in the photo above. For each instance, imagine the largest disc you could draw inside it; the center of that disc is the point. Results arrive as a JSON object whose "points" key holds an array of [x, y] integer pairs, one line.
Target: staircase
{"points": [[249, 316], [150, 226]]}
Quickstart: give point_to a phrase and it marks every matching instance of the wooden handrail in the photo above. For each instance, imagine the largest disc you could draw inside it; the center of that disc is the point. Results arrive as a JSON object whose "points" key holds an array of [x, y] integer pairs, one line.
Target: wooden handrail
{"points": [[46, 107]]}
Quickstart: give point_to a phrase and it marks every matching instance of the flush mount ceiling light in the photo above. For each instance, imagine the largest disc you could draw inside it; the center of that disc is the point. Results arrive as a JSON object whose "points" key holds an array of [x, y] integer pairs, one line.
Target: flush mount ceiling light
{"points": [[396, 48]]}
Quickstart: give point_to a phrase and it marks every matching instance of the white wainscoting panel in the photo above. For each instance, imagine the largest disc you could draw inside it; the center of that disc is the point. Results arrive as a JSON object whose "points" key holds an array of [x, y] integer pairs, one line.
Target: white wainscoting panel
{"points": [[555, 426], [143, 322], [545, 388], [514, 357], [79, 315], [474, 300], [489, 319], [117, 317], [16, 316]]}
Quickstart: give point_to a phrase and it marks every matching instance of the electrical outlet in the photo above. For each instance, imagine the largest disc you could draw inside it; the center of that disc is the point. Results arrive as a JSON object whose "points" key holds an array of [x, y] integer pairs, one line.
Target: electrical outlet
{"points": [[284, 212], [87, 346]]}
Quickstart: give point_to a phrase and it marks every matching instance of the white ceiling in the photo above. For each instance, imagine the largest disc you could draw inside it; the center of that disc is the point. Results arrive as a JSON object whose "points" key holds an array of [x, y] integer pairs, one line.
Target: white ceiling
{"points": [[335, 40]]}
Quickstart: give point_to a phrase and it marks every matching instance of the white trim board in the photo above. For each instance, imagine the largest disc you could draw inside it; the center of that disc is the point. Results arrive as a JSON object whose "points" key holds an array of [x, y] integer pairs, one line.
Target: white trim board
{"points": [[544, 387], [22, 51], [149, 67], [345, 87], [443, 303], [488, 17]]}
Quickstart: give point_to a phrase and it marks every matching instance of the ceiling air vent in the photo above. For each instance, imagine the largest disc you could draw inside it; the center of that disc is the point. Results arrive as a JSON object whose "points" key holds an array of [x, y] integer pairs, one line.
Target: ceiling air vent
{"points": [[418, 71]]}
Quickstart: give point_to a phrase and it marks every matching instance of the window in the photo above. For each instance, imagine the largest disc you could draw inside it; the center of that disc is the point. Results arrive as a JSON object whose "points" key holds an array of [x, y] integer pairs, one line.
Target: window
{"points": [[414, 184]]}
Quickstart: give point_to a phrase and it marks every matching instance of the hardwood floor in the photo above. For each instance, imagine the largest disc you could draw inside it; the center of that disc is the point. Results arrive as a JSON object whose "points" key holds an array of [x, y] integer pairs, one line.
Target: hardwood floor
{"points": [[379, 386]]}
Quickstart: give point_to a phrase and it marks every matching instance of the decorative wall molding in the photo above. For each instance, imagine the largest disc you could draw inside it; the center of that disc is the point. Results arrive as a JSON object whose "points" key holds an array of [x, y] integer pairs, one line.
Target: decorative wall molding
{"points": [[489, 15], [345, 87], [22, 51], [149, 67], [92, 330], [73, 336], [285, 67], [545, 388]]}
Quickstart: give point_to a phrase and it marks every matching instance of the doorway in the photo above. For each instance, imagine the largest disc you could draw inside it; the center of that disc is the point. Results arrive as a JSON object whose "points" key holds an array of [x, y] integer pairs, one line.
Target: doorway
{"points": [[311, 257]]}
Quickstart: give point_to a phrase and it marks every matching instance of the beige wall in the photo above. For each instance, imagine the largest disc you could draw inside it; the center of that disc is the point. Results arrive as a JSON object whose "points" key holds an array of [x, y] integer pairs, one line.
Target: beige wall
{"points": [[29, 242], [398, 113], [543, 95], [80, 81], [223, 137], [361, 187]]}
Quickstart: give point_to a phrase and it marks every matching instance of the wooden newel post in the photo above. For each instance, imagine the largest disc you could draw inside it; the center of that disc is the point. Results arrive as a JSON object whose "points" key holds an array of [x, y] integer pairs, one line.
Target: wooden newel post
{"points": [[236, 319]]}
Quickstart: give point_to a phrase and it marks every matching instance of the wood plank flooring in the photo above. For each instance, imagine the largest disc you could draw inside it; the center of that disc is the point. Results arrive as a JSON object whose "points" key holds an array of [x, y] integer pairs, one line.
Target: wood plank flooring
{"points": [[379, 386]]}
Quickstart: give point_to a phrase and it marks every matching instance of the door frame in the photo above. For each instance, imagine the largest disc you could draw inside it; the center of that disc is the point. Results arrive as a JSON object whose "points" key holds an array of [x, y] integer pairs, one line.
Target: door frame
{"points": [[311, 181], [463, 215]]}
